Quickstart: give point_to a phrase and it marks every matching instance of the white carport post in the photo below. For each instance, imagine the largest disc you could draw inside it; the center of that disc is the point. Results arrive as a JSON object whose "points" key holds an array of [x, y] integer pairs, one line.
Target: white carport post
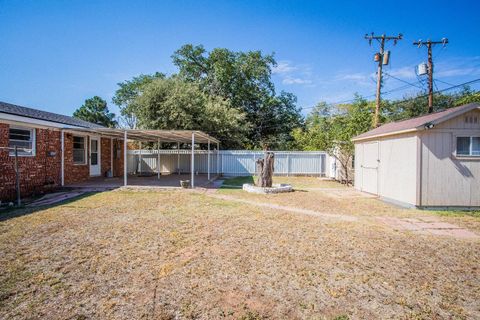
{"points": [[158, 159], [218, 158], [208, 161], [178, 157], [62, 174], [125, 158], [192, 169], [140, 156]]}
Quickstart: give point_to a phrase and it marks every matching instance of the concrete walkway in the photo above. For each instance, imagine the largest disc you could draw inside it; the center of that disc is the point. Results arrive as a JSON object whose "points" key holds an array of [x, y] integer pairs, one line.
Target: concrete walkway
{"points": [[57, 197], [285, 208], [429, 225]]}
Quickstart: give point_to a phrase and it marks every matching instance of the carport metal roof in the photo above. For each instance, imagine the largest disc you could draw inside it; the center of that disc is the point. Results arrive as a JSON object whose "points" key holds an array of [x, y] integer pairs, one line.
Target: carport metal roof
{"points": [[184, 136]]}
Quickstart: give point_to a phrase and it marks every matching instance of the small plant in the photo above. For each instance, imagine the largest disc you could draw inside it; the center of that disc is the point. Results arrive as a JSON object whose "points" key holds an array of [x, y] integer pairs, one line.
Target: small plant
{"points": [[251, 315]]}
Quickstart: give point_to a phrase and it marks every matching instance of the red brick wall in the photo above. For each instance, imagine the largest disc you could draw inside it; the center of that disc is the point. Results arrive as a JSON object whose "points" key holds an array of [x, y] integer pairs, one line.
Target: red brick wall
{"points": [[42, 172], [75, 172], [37, 174], [118, 161], [105, 151]]}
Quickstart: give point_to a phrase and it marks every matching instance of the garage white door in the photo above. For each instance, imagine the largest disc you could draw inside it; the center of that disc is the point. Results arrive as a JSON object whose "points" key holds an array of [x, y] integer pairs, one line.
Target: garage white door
{"points": [[370, 167]]}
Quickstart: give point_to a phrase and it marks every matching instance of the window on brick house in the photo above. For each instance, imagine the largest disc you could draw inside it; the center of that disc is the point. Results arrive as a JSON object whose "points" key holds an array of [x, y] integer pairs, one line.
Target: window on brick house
{"points": [[468, 146], [79, 151], [23, 139]]}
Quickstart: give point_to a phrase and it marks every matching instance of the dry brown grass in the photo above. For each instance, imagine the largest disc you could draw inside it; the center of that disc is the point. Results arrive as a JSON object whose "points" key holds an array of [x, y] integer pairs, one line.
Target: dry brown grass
{"points": [[330, 196], [174, 254]]}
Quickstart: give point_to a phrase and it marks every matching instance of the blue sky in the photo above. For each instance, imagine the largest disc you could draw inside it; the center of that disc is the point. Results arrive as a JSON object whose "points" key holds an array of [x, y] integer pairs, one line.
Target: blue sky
{"points": [[55, 54]]}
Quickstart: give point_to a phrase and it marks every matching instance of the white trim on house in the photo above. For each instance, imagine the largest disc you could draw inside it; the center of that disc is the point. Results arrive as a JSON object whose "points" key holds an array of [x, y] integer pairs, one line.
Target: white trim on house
{"points": [[470, 156], [85, 151], [393, 133], [33, 140], [95, 170]]}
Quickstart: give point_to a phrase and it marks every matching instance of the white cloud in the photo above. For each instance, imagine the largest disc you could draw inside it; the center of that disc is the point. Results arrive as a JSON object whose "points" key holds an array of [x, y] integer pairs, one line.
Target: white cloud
{"points": [[283, 67], [291, 74], [351, 77], [455, 72], [291, 80], [358, 79], [404, 72]]}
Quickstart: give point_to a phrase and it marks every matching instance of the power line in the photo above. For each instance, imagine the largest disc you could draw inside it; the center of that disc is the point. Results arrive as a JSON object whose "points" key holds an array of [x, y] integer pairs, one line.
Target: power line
{"points": [[447, 83], [386, 93], [401, 80], [440, 91], [429, 44], [382, 58]]}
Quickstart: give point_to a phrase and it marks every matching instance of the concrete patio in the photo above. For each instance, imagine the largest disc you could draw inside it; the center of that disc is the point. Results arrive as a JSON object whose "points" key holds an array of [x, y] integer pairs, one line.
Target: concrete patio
{"points": [[165, 181]]}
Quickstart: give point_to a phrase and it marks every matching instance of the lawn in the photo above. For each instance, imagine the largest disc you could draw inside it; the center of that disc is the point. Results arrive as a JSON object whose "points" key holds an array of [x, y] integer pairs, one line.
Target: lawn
{"points": [[193, 255]]}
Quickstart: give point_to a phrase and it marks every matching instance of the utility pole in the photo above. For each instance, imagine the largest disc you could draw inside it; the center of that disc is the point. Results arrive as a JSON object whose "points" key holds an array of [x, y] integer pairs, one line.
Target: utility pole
{"points": [[429, 44], [382, 59]]}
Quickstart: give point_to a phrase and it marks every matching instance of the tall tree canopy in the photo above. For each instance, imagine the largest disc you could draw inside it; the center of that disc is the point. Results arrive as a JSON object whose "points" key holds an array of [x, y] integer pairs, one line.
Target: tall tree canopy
{"points": [[239, 82], [95, 110], [175, 104], [331, 128], [127, 92], [244, 79]]}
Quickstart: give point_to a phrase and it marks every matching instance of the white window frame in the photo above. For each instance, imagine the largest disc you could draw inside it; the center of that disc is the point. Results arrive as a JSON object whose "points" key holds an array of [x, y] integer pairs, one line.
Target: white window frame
{"points": [[85, 151], [470, 151], [33, 135]]}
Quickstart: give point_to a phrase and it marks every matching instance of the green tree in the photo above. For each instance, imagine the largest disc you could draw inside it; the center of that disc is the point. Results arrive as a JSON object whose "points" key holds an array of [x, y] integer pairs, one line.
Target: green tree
{"points": [[244, 79], [467, 96], [127, 92], [175, 104], [95, 110], [331, 128], [417, 105]]}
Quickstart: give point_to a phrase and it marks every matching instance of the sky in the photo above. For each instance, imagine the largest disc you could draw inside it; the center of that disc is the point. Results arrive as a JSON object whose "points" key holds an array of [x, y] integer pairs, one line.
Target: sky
{"points": [[56, 54]]}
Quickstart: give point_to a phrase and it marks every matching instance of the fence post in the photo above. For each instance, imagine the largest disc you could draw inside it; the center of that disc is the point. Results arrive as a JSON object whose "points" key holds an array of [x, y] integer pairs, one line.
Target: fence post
{"points": [[254, 164], [222, 168], [288, 164], [208, 161]]}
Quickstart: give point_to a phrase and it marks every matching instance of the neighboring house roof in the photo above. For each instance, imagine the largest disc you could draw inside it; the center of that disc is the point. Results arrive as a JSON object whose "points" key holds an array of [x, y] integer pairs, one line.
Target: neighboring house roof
{"points": [[416, 124], [44, 115]]}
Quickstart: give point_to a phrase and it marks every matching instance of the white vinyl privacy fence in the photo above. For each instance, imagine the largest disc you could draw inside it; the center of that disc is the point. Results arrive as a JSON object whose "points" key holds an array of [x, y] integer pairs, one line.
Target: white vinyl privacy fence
{"points": [[226, 162]]}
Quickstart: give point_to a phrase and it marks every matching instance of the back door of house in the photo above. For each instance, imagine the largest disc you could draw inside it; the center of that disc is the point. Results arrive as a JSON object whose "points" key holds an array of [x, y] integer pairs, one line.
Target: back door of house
{"points": [[370, 167], [95, 156]]}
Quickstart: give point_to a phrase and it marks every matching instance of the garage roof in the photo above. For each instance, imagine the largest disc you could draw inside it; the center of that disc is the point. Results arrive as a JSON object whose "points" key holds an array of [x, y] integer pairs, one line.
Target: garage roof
{"points": [[416, 124]]}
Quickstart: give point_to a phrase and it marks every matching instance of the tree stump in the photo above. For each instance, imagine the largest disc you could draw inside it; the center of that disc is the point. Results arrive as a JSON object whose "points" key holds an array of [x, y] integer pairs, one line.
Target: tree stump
{"points": [[265, 170]]}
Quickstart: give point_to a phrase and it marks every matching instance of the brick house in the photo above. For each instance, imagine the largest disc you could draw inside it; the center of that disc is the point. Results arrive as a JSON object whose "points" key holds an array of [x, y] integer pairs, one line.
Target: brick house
{"points": [[38, 138], [56, 150]]}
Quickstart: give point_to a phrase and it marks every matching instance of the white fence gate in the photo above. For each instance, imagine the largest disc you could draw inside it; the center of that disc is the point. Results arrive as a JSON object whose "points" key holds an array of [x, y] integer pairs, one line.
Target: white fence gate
{"points": [[227, 162]]}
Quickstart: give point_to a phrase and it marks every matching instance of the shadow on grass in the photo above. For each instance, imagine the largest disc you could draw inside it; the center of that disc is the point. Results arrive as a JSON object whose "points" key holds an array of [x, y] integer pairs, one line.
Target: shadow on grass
{"points": [[458, 213], [237, 182], [14, 212]]}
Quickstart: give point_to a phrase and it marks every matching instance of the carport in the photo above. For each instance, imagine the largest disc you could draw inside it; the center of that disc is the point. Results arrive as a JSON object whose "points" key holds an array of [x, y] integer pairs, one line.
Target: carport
{"points": [[155, 137]]}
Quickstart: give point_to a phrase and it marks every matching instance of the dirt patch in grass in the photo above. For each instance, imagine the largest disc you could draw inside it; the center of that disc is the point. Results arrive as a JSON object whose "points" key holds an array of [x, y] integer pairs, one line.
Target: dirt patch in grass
{"points": [[185, 255]]}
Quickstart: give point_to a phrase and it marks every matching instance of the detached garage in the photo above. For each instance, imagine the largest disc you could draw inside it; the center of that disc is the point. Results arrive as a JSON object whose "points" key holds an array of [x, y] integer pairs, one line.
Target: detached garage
{"points": [[429, 161]]}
